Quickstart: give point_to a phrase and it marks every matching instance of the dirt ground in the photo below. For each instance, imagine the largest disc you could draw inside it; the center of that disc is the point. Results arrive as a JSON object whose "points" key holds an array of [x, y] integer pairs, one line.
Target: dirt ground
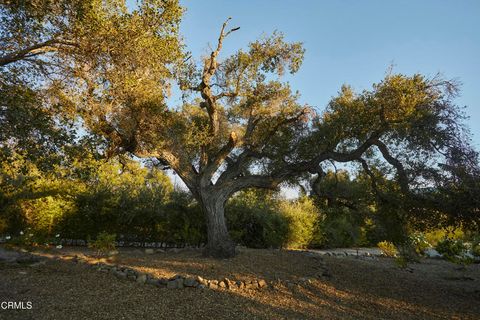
{"points": [[356, 289]]}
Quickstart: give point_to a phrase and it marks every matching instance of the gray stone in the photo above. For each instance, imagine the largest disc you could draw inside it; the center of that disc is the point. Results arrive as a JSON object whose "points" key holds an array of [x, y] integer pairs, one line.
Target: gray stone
{"points": [[152, 281], [432, 253], [468, 255], [131, 272], [179, 282], [201, 286], [190, 282], [121, 275], [149, 251], [131, 277], [172, 284], [141, 278], [306, 280]]}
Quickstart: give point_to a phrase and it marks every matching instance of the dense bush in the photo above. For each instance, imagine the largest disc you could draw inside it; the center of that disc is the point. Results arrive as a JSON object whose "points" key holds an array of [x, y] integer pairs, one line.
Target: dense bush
{"points": [[303, 220], [254, 222], [139, 204], [183, 221], [450, 248], [258, 219], [350, 215], [341, 228], [93, 196]]}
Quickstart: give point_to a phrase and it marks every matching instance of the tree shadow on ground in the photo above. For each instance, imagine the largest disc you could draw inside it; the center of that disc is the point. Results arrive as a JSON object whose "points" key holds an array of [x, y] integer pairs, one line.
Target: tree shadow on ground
{"points": [[65, 290]]}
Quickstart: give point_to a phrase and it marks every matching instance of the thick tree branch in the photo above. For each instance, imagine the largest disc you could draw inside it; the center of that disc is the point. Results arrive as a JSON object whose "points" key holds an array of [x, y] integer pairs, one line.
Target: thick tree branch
{"points": [[235, 167], [373, 179], [219, 158], [34, 50], [185, 171], [229, 178], [402, 175], [205, 86]]}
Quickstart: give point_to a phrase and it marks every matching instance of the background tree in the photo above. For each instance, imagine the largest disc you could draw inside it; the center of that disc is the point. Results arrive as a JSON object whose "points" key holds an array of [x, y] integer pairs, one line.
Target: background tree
{"points": [[57, 56]]}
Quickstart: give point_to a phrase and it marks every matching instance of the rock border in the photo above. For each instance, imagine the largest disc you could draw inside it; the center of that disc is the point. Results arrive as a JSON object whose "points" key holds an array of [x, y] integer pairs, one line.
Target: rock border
{"points": [[176, 282], [179, 281], [197, 282]]}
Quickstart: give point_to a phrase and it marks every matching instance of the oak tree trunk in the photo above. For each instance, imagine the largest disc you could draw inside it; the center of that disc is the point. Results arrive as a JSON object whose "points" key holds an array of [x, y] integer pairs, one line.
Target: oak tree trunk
{"points": [[219, 244]]}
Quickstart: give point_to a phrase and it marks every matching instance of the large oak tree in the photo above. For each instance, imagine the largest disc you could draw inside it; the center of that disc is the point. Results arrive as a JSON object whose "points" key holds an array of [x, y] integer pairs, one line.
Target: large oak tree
{"points": [[240, 126]]}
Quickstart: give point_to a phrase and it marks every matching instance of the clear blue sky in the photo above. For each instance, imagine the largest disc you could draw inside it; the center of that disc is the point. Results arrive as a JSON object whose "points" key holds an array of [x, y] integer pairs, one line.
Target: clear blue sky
{"points": [[354, 42]]}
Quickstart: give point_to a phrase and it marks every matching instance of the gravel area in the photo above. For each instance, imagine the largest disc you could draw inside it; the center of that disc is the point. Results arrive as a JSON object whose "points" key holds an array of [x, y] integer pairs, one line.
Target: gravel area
{"points": [[357, 288]]}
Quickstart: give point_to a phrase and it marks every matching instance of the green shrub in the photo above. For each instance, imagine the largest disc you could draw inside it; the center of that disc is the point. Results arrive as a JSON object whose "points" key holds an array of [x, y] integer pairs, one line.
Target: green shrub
{"points": [[302, 217], [183, 220], [450, 248], [476, 249], [419, 242], [104, 243], [341, 228], [387, 248], [253, 221]]}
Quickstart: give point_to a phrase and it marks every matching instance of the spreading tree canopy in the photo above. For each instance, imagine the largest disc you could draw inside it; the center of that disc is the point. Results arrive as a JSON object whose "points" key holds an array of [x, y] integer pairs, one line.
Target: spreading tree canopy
{"points": [[240, 126], [58, 56]]}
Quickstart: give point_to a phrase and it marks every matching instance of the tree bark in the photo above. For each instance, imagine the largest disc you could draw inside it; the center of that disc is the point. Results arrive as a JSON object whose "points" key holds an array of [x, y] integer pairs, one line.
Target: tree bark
{"points": [[219, 244]]}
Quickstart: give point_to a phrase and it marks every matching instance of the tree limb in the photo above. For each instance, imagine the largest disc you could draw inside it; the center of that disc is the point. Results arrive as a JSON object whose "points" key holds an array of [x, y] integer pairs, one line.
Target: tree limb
{"points": [[34, 50], [402, 175], [205, 86]]}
